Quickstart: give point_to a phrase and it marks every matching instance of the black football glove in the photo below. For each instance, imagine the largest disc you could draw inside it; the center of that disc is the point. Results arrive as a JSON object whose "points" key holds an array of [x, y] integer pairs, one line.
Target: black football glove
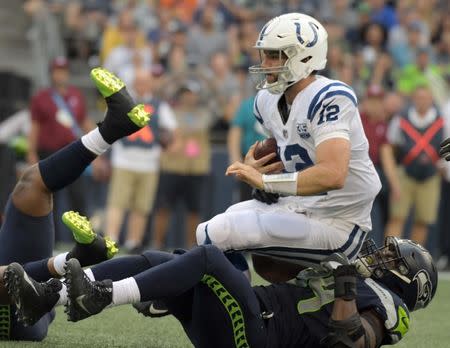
{"points": [[444, 151], [265, 197]]}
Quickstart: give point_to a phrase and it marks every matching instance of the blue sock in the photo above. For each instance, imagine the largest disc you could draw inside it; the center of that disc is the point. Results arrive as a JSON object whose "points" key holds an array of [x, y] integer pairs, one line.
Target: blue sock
{"points": [[65, 166]]}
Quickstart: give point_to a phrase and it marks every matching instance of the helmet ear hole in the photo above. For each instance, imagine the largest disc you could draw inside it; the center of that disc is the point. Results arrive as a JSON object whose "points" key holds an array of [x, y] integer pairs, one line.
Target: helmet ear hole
{"points": [[306, 60]]}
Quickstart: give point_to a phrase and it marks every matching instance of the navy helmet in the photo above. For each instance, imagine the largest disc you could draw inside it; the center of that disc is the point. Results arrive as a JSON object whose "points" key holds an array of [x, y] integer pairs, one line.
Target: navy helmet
{"points": [[405, 267]]}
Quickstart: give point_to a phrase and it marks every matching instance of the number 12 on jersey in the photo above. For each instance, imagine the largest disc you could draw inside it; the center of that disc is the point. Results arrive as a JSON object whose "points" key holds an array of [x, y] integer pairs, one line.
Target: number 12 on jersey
{"points": [[293, 150]]}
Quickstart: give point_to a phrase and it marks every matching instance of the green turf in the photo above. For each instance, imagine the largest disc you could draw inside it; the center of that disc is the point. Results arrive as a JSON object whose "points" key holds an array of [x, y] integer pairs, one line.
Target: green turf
{"points": [[122, 327]]}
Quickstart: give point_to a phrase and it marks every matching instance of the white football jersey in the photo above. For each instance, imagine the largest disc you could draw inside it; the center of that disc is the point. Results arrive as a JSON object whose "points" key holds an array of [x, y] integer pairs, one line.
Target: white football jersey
{"points": [[325, 109]]}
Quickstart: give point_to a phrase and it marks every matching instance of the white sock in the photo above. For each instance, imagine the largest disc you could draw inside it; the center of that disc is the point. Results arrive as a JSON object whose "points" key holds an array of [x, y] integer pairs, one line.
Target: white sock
{"points": [[62, 295], [94, 142], [125, 291], [89, 274], [59, 262]]}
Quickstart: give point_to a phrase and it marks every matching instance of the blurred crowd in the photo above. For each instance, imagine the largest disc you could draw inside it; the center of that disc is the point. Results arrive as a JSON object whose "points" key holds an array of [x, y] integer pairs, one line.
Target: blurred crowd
{"points": [[188, 61]]}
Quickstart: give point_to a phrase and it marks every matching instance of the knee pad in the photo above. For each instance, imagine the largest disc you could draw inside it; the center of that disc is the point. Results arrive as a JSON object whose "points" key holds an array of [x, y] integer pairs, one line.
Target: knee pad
{"points": [[214, 231], [232, 231]]}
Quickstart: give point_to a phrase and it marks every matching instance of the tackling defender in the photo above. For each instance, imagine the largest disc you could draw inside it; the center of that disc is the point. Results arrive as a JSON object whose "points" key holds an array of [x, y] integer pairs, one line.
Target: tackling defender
{"points": [[27, 233], [323, 149], [329, 305]]}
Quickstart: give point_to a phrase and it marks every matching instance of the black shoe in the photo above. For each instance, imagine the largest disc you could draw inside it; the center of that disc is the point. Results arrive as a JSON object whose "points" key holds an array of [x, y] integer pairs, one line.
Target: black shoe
{"points": [[123, 116], [85, 298], [152, 309], [32, 299]]}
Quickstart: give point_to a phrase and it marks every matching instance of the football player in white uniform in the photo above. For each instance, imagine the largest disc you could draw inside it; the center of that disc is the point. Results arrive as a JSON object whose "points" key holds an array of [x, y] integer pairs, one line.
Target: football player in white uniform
{"points": [[329, 182]]}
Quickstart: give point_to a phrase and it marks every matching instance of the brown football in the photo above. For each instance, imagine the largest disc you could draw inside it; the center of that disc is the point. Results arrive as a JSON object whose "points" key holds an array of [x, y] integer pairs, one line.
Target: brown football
{"points": [[265, 147]]}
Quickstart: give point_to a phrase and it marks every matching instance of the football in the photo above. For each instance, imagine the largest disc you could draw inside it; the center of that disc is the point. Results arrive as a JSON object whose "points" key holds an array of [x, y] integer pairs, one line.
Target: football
{"points": [[265, 147]]}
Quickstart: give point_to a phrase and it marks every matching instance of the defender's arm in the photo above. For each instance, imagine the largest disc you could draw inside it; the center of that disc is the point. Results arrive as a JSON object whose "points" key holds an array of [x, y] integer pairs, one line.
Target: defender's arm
{"points": [[347, 327]]}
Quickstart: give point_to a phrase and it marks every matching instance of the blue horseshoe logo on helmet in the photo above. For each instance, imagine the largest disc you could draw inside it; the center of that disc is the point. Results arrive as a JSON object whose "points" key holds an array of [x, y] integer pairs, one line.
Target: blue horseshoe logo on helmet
{"points": [[314, 28]]}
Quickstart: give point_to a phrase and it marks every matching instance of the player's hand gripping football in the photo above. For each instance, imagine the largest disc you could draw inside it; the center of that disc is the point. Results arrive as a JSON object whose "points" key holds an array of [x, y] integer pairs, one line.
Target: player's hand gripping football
{"points": [[252, 169], [264, 164]]}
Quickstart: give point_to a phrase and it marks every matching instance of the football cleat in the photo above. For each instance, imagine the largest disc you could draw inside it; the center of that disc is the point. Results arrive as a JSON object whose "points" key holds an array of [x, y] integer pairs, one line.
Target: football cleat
{"points": [[123, 117], [85, 297], [90, 248], [31, 298], [152, 309]]}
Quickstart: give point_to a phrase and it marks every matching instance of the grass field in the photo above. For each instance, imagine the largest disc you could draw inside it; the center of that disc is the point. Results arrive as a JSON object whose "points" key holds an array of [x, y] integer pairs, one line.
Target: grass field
{"points": [[122, 327]]}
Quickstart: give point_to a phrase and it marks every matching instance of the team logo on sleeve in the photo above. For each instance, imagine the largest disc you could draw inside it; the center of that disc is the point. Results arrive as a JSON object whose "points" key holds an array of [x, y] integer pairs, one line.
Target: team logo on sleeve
{"points": [[302, 130]]}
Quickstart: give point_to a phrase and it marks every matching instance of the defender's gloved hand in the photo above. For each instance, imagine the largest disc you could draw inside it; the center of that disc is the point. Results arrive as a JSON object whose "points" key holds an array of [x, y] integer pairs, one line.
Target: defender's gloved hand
{"points": [[344, 275], [265, 197]]}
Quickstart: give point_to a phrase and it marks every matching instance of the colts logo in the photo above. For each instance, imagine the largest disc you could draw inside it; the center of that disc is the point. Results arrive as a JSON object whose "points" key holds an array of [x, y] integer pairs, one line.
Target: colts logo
{"points": [[302, 130], [314, 29], [424, 289]]}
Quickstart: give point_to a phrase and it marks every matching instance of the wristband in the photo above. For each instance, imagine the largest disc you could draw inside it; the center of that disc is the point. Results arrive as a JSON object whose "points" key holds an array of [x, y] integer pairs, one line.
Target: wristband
{"points": [[281, 183]]}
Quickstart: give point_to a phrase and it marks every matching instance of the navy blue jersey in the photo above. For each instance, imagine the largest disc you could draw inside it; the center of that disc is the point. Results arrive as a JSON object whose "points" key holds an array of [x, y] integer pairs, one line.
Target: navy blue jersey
{"points": [[301, 313]]}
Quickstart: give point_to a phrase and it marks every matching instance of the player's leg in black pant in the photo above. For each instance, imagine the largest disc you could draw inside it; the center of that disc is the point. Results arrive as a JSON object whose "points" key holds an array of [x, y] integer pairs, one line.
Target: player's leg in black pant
{"points": [[27, 233], [219, 309]]}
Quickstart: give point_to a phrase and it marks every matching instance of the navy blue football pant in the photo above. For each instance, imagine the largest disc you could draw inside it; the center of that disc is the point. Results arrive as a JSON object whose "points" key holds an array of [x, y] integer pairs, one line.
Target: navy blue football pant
{"points": [[213, 300], [24, 238]]}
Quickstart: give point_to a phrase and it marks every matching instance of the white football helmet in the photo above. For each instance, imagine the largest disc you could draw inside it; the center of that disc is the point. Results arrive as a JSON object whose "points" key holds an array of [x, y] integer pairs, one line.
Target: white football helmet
{"points": [[302, 39]]}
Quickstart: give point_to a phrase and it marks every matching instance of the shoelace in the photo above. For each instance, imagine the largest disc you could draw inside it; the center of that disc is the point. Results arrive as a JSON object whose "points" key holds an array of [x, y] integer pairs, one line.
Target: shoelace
{"points": [[99, 289]]}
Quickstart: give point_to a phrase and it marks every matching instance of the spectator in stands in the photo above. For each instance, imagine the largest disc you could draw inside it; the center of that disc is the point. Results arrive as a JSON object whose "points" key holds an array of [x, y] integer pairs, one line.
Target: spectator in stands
{"points": [[424, 72], [416, 135], [45, 39], [125, 59], [114, 33], [343, 14], [375, 56], [222, 18], [404, 52], [374, 119], [185, 168], [181, 10], [86, 20], [168, 35], [383, 14], [225, 86], [58, 117], [205, 39], [135, 167]]}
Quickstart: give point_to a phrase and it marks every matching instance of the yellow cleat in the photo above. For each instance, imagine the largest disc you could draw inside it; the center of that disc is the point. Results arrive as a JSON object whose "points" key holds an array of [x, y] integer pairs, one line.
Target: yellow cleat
{"points": [[83, 233], [80, 227], [106, 82]]}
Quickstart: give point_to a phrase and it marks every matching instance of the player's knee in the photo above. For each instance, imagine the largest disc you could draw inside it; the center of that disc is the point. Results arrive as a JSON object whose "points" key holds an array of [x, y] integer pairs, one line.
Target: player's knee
{"points": [[30, 179], [215, 231]]}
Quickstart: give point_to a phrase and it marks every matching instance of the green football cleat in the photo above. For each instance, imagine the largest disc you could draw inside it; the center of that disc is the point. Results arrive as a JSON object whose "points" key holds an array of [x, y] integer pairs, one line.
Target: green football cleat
{"points": [[90, 248], [139, 115], [80, 227], [106, 82], [123, 116]]}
